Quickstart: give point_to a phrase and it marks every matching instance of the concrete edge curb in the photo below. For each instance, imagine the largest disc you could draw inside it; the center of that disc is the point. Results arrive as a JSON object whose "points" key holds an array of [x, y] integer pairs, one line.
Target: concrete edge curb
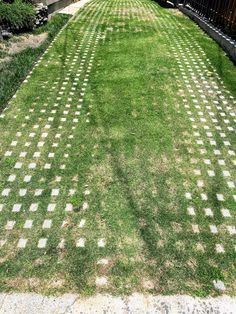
{"points": [[228, 44], [30, 303]]}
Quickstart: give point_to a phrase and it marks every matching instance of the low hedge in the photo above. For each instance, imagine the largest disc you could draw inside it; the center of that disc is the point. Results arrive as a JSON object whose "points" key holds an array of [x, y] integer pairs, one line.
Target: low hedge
{"points": [[17, 16]]}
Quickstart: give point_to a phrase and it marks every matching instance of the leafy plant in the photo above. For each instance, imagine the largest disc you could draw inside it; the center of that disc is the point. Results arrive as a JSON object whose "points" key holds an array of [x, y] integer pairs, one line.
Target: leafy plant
{"points": [[17, 16]]}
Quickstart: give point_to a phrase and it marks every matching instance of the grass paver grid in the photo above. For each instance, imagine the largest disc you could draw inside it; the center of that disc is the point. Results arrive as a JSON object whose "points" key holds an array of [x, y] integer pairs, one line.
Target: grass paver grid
{"points": [[118, 159]]}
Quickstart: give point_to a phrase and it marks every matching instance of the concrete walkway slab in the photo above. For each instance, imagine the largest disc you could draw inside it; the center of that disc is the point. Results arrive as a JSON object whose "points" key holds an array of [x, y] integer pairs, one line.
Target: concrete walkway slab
{"points": [[27, 303], [74, 7]]}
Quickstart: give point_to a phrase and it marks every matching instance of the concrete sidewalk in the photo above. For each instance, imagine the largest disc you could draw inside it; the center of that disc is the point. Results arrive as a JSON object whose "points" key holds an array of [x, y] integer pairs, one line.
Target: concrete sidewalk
{"points": [[74, 7], [30, 303]]}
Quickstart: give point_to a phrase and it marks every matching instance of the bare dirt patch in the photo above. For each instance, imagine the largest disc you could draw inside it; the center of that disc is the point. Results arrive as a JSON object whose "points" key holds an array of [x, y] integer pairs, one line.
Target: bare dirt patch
{"points": [[30, 41], [20, 43], [35, 283]]}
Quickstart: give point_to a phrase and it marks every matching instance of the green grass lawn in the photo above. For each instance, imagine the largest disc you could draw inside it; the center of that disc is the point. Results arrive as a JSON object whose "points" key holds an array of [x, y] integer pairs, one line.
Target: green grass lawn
{"points": [[118, 160]]}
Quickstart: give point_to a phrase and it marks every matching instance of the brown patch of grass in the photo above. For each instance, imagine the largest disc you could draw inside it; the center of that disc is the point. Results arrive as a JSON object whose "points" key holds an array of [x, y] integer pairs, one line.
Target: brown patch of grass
{"points": [[103, 174], [147, 284], [159, 229], [176, 227], [145, 15], [11, 253], [199, 247], [180, 245], [160, 243], [176, 12], [20, 283], [169, 264], [39, 261], [192, 284], [57, 283], [160, 164], [192, 263]]}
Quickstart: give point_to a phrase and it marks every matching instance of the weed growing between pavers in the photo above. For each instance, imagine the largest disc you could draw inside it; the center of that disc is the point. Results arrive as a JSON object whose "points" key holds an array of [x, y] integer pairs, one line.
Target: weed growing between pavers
{"points": [[118, 175]]}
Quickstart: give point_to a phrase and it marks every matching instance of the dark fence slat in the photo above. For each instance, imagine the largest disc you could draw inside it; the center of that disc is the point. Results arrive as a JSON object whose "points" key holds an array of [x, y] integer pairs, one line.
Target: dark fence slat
{"points": [[221, 13]]}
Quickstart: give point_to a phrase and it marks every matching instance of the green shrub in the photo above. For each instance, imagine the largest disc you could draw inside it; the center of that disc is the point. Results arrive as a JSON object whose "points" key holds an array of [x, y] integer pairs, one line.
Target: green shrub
{"points": [[17, 16], [8, 1], [26, 1], [29, 1]]}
